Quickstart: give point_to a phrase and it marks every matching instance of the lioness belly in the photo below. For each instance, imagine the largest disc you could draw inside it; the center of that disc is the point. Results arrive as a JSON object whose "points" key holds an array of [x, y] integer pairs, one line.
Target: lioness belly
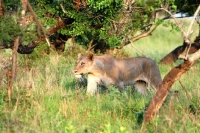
{"points": [[107, 81]]}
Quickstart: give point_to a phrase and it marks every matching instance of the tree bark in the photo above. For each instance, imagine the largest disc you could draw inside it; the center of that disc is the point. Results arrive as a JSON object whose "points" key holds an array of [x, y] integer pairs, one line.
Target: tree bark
{"points": [[174, 55], [11, 75], [14, 57], [23, 14], [168, 81]]}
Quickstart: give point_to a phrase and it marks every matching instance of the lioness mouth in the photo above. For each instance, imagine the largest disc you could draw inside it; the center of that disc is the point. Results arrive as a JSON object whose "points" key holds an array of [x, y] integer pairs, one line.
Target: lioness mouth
{"points": [[78, 75]]}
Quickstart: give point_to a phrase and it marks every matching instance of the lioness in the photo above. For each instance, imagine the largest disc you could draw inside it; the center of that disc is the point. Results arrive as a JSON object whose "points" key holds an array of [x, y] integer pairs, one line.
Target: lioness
{"points": [[107, 70]]}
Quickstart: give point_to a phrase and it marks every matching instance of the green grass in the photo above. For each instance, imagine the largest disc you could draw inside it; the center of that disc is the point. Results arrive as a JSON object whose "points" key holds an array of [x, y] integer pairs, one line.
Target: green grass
{"points": [[47, 99]]}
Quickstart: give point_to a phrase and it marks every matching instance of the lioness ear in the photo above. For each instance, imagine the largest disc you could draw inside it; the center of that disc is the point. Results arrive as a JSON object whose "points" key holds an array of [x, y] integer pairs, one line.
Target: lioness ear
{"points": [[79, 55], [90, 57]]}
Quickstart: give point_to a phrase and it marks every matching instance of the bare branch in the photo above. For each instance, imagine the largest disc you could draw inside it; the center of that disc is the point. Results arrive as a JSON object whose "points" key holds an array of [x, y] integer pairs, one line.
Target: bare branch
{"points": [[189, 31], [38, 22], [138, 50], [193, 19], [22, 21], [63, 9], [177, 23], [90, 46], [144, 34], [135, 38]]}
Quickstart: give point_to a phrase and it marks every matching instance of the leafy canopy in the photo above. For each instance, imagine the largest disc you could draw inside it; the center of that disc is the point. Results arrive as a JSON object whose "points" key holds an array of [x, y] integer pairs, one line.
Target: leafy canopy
{"points": [[112, 21]]}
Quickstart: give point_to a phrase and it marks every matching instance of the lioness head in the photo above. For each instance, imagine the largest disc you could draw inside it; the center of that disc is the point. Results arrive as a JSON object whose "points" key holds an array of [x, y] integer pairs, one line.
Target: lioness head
{"points": [[83, 65]]}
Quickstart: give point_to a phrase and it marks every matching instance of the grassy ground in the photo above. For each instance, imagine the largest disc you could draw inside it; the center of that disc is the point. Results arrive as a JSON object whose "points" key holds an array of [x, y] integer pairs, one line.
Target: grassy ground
{"points": [[46, 98]]}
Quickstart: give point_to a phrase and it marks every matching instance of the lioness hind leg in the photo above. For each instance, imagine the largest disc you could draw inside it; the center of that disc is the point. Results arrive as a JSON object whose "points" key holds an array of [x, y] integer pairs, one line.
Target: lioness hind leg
{"points": [[141, 87], [120, 86]]}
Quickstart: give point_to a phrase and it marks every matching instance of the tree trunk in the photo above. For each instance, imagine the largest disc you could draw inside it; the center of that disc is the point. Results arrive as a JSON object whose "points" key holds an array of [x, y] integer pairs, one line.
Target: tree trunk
{"points": [[168, 81], [11, 75]]}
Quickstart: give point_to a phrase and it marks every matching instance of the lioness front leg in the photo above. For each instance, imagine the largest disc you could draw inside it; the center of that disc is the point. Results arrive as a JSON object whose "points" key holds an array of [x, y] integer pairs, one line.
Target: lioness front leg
{"points": [[92, 84]]}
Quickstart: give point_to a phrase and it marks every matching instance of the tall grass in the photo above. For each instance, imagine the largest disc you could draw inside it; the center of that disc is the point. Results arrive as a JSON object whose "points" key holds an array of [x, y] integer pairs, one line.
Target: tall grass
{"points": [[47, 99]]}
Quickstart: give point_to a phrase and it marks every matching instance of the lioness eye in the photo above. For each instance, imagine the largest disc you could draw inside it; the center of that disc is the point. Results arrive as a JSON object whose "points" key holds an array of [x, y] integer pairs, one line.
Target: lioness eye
{"points": [[82, 63]]}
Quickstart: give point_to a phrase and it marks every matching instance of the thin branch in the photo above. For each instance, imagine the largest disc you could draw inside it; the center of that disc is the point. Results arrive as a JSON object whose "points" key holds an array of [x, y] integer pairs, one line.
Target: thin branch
{"points": [[193, 19], [23, 14], [90, 46], [135, 38], [189, 29], [138, 50], [38, 22], [63, 9], [177, 23], [144, 34]]}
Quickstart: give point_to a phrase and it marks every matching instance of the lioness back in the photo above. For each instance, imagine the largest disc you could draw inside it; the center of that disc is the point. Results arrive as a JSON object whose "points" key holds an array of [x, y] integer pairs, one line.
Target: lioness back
{"points": [[108, 70]]}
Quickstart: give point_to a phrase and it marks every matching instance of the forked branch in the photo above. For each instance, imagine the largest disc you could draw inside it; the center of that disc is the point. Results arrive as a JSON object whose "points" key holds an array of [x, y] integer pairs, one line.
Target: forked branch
{"points": [[186, 35]]}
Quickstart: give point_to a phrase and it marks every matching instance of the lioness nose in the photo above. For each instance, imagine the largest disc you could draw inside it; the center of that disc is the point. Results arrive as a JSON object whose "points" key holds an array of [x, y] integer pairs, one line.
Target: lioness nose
{"points": [[75, 71]]}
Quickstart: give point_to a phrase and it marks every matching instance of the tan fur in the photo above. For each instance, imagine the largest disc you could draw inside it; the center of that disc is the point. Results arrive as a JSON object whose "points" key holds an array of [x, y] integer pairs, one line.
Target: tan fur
{"points": [[107, 70]]}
